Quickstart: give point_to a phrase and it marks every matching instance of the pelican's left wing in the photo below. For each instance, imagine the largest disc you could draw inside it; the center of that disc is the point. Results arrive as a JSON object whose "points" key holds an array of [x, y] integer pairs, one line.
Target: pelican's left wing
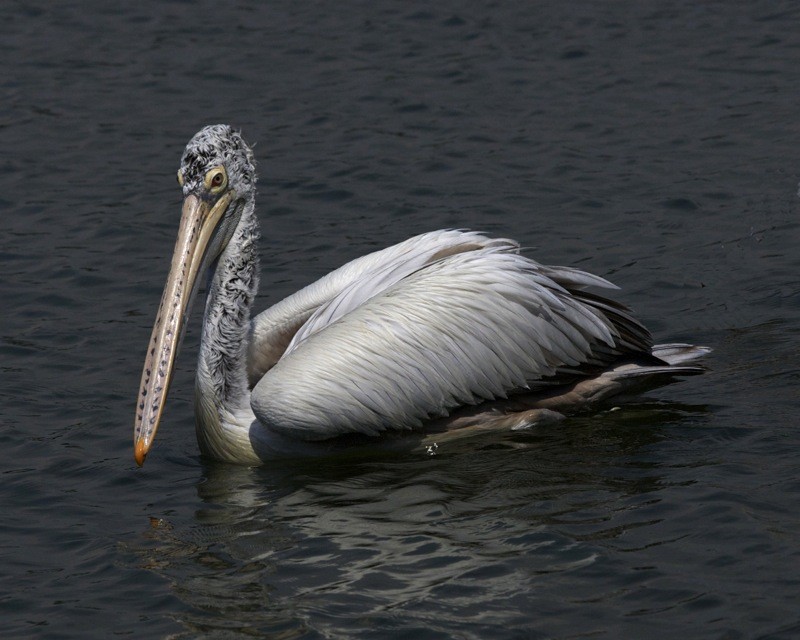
{"points": [[467, 328]]}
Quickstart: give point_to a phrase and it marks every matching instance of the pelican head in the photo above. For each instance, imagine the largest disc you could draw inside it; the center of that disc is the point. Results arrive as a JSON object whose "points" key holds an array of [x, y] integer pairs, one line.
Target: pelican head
{"points": [[217, 176]]}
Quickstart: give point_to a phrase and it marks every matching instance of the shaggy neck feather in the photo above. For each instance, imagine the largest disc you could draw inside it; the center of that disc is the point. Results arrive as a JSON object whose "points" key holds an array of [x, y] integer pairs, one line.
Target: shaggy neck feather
{"points": [[222, 396]]}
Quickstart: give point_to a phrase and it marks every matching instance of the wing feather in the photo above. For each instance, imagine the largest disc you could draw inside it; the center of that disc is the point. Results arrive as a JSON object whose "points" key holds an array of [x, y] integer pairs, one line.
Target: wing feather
{"points": [[342, 290], [424, 338]]}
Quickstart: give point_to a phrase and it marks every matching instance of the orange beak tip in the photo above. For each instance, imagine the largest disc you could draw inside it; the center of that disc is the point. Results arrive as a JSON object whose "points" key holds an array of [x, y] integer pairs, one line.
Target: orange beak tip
{"points": [[139, 453]]}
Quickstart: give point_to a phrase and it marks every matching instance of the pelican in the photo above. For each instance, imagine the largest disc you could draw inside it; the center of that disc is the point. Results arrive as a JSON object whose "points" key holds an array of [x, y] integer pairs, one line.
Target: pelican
{"points": [[448, 330]]}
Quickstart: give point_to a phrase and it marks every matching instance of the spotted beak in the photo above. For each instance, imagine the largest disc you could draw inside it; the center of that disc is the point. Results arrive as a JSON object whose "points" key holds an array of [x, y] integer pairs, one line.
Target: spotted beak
{"points": [[199, 221]]}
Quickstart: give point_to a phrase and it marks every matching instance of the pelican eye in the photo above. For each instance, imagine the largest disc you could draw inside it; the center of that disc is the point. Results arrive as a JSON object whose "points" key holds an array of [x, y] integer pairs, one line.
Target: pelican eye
{"points": [[216, 180], [180, 178]]}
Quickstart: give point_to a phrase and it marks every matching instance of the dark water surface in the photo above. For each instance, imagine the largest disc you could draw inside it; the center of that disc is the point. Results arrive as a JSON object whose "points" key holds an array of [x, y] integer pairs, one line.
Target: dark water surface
{"points": [[654, 143]]}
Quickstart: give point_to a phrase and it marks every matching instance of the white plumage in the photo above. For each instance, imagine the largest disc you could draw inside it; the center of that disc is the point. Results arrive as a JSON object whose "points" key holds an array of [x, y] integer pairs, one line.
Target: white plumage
{"points": [[447, 329]]}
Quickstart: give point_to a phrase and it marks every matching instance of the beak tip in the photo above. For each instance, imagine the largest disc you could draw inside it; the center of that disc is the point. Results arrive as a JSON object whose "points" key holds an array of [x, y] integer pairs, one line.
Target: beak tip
{"points": [[139, 453]]}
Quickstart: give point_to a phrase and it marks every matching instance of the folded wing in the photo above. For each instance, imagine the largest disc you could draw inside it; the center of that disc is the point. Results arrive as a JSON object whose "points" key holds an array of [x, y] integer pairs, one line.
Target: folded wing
{"points": [[410, 340]]}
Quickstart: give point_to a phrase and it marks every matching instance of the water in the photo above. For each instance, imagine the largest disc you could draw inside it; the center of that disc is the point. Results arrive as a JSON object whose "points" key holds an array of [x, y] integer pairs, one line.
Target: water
{"points": [[656, 145]]}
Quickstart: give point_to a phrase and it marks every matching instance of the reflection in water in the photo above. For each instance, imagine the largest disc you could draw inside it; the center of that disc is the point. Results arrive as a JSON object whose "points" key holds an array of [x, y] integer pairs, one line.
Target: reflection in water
{"points": [[472, 533]]}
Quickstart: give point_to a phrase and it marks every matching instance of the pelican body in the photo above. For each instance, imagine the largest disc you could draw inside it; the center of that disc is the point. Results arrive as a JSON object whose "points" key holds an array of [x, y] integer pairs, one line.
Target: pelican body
{"points": [[446, 331]]}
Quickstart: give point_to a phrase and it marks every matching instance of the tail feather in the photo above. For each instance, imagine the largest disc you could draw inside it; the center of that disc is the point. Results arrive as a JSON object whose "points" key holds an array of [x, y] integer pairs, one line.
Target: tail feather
{"points": [[629, 378], [543, 405], [653, 372], [679, 352], [675, 356]]}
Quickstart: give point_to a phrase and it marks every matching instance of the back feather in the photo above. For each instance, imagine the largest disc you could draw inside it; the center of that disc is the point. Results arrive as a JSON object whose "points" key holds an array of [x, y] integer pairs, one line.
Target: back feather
{"points": [[412, 340]]}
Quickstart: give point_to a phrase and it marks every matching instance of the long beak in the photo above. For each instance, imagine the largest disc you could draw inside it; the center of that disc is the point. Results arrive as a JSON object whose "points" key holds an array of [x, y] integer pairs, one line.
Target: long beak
{"points": [[198, 222]]}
